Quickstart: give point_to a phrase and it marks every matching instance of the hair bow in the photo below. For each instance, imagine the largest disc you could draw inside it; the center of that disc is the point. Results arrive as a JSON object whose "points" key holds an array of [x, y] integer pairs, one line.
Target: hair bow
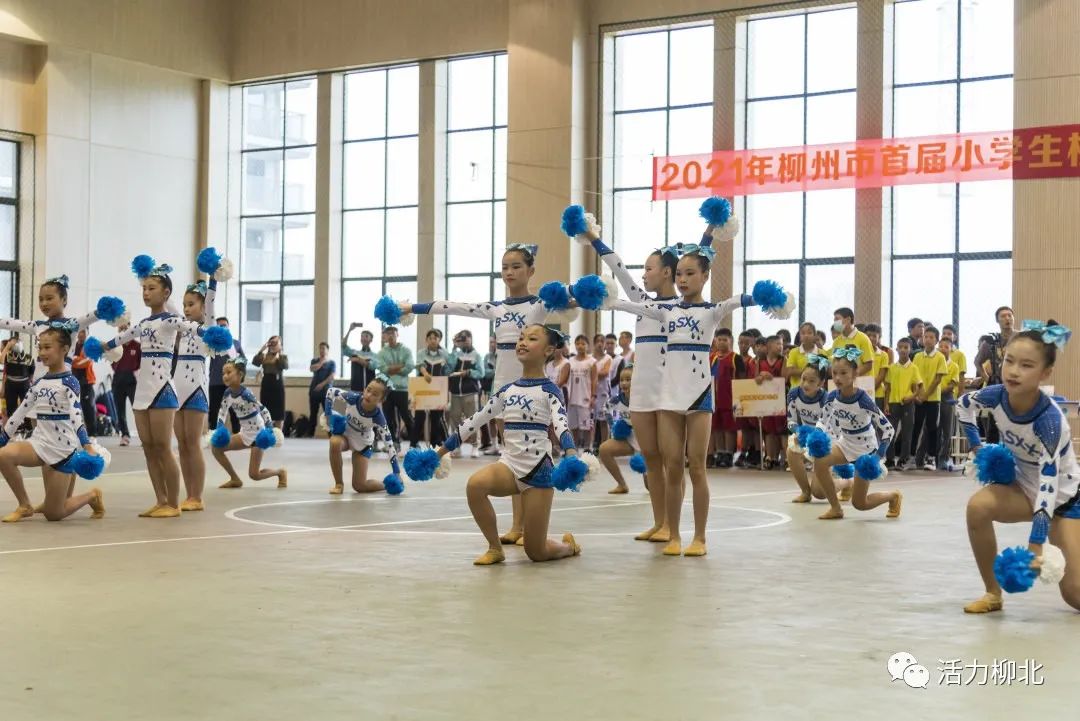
{"points": [[1056, 334], [380, 376], [60, 280], [695, 249], [818, 361], [161, 270], [199, 288], [529, 248], [851, 354], [71, 326]]}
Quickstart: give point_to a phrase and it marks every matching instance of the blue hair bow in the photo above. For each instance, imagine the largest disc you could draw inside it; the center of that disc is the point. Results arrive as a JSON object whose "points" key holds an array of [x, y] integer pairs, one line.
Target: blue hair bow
{"points": [[60, 280], [851, 354], [199, 288], [1057, 334], [161, 270], [71, 326], [818, 361], [530, 248], [681, 249]]}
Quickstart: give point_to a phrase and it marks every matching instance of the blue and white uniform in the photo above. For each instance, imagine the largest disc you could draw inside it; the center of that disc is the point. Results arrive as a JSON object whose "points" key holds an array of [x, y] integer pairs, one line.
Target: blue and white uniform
{"points": [[363, 425], [190, 378], [804, 410], [1041, 442], [853, 424], [527, 407], [686, 384], [156, 335], [252, 415], [510, 317], [54, 400], [618, 409], [34, 329]]}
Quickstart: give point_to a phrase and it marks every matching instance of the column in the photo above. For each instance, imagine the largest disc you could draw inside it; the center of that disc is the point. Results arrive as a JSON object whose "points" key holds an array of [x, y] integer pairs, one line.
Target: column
{"points": [[869, 124], [431, 210]]}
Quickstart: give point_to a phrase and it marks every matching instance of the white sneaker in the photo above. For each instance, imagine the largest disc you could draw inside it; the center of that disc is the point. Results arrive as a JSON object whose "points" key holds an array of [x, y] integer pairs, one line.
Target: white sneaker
{"points": [[493, 451], [929, 466], [910, 465], [475, 452]]}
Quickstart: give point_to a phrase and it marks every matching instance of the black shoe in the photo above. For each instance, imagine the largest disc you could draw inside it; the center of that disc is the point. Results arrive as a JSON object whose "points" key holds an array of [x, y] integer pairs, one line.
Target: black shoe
{"points": [[726, 460]]}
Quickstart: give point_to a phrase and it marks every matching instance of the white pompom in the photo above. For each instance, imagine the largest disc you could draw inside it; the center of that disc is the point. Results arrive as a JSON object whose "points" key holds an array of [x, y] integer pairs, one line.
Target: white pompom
{"points": [[568, 316], [323, 423], [103, 452], [784, 312], [793, 443], [595, 469], [407, 316], [612, 291], [113, 355], [1053, 564], [279, 438], [224, 271], [121, 320], [726, 232], [205, 442], [443, 471]]}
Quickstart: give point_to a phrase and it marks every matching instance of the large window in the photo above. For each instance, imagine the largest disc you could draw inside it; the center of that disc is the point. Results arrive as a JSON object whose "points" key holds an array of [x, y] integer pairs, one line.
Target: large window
{"points": [[277, 225], [379, 221], [951, 243], [799, 85], [662, 92], [9, 229], [475, 185]]}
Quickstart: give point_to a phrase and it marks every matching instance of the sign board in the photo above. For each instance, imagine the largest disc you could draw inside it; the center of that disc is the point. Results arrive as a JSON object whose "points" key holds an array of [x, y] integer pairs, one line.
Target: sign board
{"points": [[753, 400], [433, 396]]}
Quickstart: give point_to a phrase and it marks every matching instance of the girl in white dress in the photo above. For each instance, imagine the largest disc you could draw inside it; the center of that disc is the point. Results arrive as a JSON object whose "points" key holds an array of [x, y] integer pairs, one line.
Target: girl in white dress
{"points": [[581, 392]]}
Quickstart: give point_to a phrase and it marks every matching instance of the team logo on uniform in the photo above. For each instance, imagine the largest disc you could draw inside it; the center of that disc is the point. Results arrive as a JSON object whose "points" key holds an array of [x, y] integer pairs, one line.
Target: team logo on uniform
{"points": [[1012, 439], [519, 400], [511, 317], [686, 321]]}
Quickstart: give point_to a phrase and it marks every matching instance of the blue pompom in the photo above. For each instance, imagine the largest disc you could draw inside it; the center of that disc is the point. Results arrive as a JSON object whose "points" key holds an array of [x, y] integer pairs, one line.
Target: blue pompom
{"points": [[844, 470], [818, 444], [109, 308], [868, 467], [338, 424], [1012, 569], [393, 485], [93, 349], [217, 338], [555, 296], [573, 221], [769, 294], [637, 463], [142, 265], [568, 475], [209, 260], [994, 463], [421, 465], [589, 292], [387, 311], [87, 465], [716, 211], [621, 430], [802, 433], [220, 437], [265, 438]]}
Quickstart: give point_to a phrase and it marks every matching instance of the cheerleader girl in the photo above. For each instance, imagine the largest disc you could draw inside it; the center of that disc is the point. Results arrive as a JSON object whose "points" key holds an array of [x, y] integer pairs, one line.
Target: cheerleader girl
{"points": [[619, 410], [510, 316], [54, 400], [255, 424], [805, 404], [849, 418], [581, 392], [355, 431], [527, 407], [1047, 476], [155, 394]]}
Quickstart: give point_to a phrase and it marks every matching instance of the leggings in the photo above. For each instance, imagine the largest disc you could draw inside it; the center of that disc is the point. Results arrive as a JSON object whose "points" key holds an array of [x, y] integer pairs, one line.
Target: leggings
{"points": [[315, 404], [14, 393], [395, 407], [437, 432]]}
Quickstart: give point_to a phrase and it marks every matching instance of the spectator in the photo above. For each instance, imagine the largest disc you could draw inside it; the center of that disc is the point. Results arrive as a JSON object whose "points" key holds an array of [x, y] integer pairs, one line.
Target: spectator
{"points": [[432, 361], [947, 413], [881, 365], [217, 385], [915, 330], [466, 373], [362, 362], [902, 386], [274, 363], [83, 370], [844, 324], [822, 340], [323, 370], [785, 338], [774, 428], [948, 332], [932, 368], [625, 357], [747, 369], [123, 384], [489, 431], [18, 370], [604, 365], [992, 348], [797, 356], [395, 361], [726, 365]]}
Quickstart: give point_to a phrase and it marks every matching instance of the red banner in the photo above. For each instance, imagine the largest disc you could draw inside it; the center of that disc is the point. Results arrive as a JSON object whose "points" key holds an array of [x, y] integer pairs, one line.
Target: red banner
{"points": [[1046, 152]]}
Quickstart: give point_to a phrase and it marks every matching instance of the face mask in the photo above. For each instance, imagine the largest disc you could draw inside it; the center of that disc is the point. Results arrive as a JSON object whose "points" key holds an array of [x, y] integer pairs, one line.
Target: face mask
{"points": [[838, 326]]}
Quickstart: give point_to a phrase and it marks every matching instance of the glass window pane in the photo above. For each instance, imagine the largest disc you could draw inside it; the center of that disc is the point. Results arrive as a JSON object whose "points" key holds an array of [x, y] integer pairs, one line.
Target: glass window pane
{"points": [[690, 130], [774, 224], [638, 227], [299, 261], [7, 294], [786, 275], [401, 232], [924, 110], [500, 89], [262, 182], [358, 306], [638, 137], [468, 238], [775, 56], [406, 290], [829, 287], [260, 253], [365, 105], [403, 101], [469, 289], [985, 286], [830, 224], [924, 218], [774, 123], [640, 72], [301, 101], [362, 244], [925, 41], [921, 288], [830, 118], [986, 215], [259, 308], [470, 170], [364, 174], [9, 170], [470, 93], [300, 180], [692, 66], [498, 241], [500, 164], [8, 241], [986, 38], [402, 169], [685, 225], [986, 106], [832, 39], [298, 303], [264, 115]]}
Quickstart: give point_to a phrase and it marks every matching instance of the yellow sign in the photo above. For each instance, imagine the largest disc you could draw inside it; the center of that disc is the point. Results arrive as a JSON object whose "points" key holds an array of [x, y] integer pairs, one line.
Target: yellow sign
{"points": [[425, 396], [751, 399]]}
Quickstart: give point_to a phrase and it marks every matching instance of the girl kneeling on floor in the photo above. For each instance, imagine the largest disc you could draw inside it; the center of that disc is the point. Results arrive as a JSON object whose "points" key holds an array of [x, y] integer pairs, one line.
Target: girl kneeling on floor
{"points": [[257, 430], [805, 404], [355, 431]]}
